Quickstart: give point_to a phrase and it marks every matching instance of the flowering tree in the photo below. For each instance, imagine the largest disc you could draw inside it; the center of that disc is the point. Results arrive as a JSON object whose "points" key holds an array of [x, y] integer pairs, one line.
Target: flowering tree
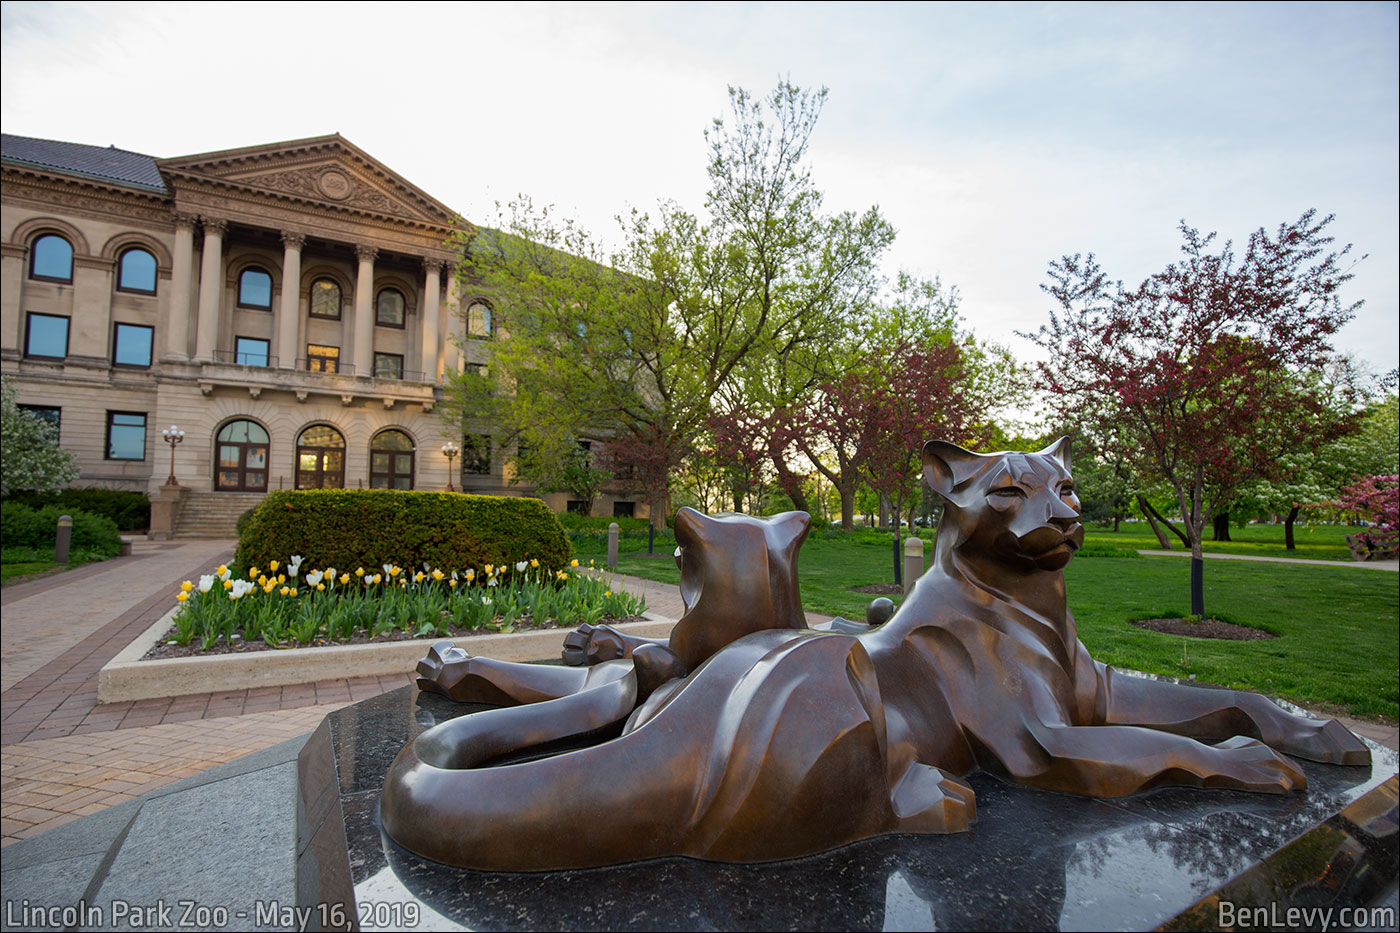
{"points": [[1204, 365], [1378, 497], [32, 458]]}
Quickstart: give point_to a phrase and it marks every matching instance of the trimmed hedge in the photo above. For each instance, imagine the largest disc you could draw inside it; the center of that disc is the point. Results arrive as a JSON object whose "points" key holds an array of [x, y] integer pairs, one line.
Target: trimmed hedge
{"points": [[22, 526], [349, 528], [130, 511]]}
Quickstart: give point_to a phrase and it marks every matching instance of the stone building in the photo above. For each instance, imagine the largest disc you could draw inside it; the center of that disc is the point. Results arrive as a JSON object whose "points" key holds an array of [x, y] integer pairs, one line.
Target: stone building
{"points": [[291, 307]]}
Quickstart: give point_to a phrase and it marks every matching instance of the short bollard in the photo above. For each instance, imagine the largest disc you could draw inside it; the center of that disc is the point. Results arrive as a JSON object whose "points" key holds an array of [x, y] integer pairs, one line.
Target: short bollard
{"points": [[612, 544], [62, 539], [913, 561]]}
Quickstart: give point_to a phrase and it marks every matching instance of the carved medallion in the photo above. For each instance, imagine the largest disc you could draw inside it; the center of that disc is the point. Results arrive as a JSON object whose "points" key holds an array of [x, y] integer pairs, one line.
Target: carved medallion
{"points": [[334, 185]]}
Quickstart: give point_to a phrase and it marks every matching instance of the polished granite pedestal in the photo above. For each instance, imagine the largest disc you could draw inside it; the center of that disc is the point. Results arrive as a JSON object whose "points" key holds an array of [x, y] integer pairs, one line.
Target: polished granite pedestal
{"points": [[1035, 860]]}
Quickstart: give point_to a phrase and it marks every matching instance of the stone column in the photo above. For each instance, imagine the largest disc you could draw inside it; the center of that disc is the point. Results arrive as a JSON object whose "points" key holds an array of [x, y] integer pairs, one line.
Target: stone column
{"points": [[211, 289], [431, 292], [11, 285], [454, 353], [364, 312], [177, 326], [289, 311]]}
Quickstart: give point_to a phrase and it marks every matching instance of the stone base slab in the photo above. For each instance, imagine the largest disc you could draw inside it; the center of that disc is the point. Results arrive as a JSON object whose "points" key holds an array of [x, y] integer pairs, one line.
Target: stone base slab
{"points": [[126, 677]]}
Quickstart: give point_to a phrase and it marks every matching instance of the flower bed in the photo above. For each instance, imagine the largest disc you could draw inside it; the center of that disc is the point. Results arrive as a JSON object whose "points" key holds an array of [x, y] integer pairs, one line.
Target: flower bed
{"points": [[282, 606]]}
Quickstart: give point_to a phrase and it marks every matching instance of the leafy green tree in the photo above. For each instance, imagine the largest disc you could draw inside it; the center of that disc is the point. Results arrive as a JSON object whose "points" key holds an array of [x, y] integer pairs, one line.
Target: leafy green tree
{"points": [[635, 346], [31, 457]]}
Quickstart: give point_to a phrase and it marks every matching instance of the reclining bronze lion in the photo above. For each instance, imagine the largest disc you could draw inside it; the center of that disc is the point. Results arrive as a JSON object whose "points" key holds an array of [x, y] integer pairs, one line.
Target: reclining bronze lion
{"points": [[750, 738]]}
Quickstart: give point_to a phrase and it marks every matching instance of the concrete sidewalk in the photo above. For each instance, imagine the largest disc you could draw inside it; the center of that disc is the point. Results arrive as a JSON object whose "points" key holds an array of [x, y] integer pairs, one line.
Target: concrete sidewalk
{"points": [[62, 756], [1391, 565]]}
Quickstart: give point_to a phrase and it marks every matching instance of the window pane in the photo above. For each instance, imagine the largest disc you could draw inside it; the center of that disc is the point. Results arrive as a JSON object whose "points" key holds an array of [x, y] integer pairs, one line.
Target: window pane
{"points": [[388, 366], [390, 308], [53, 417], [137, 272], [379, 482], [133, 345], [254, 480], [255, 289], [403, 482], [325, 298], [251, 352], [242, 432], [48, 336], [320, 435], [379, 463], [308, 462], [335, 461], [403, 463], [52, 258], [321, 359], [256, 458], [479, 320], [126, 436], [393, 440]]}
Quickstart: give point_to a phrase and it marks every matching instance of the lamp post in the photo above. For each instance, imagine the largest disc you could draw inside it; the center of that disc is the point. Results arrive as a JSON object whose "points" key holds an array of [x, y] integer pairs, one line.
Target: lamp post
{"points": [[450, 450], [173, 436]]}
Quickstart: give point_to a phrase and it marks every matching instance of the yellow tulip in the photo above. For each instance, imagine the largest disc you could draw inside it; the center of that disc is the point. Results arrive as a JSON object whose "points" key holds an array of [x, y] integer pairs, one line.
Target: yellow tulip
{"points": [[359, 571], [320, 587], [452, 583], [181, 597], [186, 586], [272, 565], [574, 562], [344, 579], [228, 584], [534, 563]]}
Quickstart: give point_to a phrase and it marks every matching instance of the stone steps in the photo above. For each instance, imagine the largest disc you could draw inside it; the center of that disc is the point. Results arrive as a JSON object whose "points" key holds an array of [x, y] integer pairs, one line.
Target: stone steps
{"points": [[214, 514]]}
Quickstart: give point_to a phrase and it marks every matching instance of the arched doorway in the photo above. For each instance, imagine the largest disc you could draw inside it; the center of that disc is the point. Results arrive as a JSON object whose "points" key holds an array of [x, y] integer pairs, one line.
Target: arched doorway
{"points": [[320, 458], [391, 461], [242, 458]]}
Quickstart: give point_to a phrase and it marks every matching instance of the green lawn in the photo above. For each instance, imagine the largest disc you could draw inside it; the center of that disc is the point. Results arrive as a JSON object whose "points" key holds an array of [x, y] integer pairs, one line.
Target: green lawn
{"points": [[22, 563], [1315, 542], [1338, 630]]}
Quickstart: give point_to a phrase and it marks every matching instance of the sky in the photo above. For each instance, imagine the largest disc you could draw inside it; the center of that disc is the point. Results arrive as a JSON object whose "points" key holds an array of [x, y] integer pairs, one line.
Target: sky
{"points": [[994, 137]]}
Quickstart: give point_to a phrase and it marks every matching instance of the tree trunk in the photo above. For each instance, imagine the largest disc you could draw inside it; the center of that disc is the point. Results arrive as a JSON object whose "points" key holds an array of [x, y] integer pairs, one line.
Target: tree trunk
{"points": [[1162, 538], [1221, 523], [848, 508], [1153, 513], [884, 511], [738, 498], [1288, 528]]}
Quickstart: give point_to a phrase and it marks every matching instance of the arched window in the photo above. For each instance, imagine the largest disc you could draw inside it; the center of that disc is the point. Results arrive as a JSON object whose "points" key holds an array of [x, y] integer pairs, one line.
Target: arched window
{"points": [[136, 272], [51, 259], [325, 299], [242, 457], [391, 461], [255, 289], [389, 308], [320, 458], [479, 320]]}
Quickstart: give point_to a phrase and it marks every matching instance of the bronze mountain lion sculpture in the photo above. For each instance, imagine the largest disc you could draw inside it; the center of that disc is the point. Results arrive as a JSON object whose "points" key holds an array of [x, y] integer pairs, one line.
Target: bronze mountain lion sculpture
{"points": [[748, 738]]}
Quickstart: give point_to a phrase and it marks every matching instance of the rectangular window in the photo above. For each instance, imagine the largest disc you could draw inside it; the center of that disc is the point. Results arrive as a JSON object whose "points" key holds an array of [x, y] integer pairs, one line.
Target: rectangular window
{"points": [[577, 506], [132, 345], [46, 336], [48, 415], [388, 365], [250, 351], [624, 509], [126, 435], [321, 359], [476, 454]]}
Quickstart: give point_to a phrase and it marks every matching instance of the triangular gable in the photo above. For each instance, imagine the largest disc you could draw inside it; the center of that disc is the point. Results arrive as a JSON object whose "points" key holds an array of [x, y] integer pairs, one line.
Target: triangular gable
{"points": [[328, 171]]}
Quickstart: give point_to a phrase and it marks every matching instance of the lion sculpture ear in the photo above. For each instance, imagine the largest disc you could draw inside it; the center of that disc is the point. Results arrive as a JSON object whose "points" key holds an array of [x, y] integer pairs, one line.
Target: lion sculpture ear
{"points": [[1060, 453], [946, 466]]}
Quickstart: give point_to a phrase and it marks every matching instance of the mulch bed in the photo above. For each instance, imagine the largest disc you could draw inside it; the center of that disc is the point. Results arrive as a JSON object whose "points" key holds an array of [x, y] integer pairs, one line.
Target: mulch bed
{"points": [[192, 650], [1206, 628], [879, 589]]}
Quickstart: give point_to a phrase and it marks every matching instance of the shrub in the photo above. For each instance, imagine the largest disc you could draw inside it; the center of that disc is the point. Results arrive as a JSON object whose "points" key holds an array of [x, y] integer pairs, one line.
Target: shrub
{"points": [[130, 511], [349, 528], [25, 527], [241, 525]]}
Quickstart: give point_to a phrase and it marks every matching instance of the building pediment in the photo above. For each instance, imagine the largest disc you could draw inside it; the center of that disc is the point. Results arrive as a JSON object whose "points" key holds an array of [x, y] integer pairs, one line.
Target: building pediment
{"points": [[329, 172]]}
